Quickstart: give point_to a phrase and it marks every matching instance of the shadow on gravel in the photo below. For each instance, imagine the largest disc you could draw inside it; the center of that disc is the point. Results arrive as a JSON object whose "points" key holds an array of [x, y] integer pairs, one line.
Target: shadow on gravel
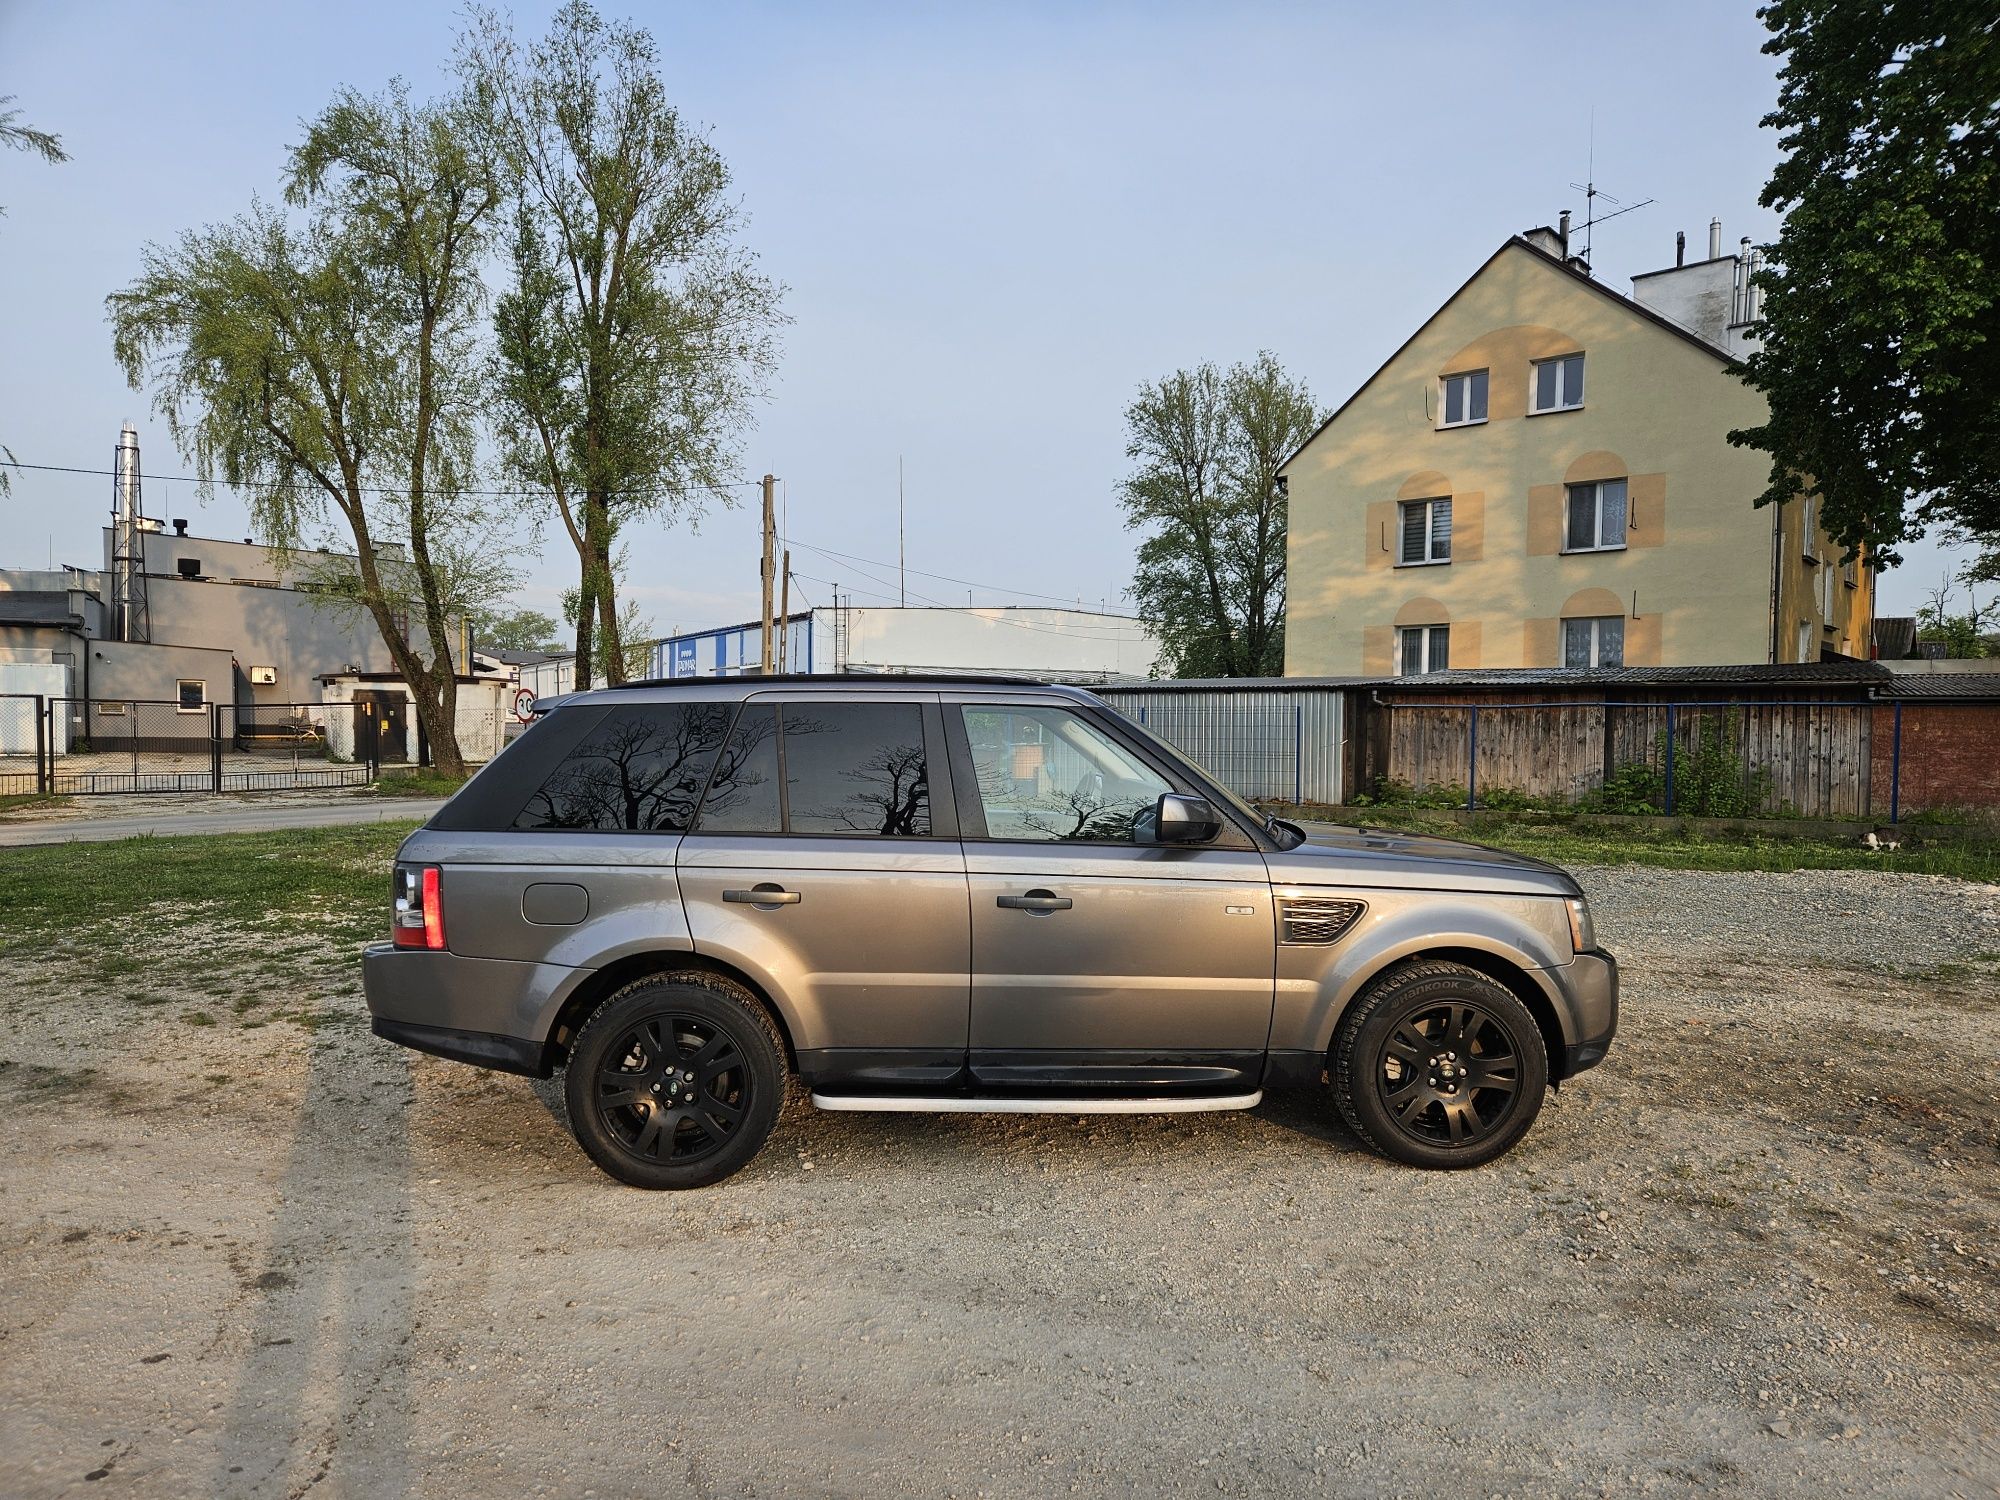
{"points": [[331, 1309]]}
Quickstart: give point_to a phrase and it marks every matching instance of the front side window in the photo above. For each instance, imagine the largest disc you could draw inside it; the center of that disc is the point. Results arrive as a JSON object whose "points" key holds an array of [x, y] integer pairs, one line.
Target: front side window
{"points": [[193, 695], [1596, 517], [1464, 399], [1809, 528], [1596, 642], [1808, 649], [1558, 384], [1047, 775], [641, 770], [1426, 531], [1423, 648], [856, 769]]}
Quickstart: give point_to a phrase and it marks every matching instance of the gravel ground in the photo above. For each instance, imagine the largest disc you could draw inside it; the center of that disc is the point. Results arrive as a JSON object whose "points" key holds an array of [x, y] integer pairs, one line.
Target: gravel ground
{"points": [[1755, 1252]]}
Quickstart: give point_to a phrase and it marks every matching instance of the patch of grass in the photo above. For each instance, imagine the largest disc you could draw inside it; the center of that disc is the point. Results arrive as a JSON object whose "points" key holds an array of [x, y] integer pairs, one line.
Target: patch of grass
{"points": [[423, 783], [1679, 847], [199, 1018], [332, 883]]}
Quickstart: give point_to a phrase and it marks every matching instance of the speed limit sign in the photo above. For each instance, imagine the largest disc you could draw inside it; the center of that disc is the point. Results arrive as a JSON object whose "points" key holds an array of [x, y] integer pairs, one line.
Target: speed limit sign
{"points": [[524, 704]]}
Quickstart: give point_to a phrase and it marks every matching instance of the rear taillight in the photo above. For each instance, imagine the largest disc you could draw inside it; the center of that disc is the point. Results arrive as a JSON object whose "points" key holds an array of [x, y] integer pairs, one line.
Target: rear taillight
{"points": [[419, 916]]}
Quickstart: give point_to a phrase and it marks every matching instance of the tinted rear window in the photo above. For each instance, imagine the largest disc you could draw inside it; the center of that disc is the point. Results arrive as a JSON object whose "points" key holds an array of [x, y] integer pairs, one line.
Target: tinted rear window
{"points": [[857, 768], [640, 770], [743, 798]]}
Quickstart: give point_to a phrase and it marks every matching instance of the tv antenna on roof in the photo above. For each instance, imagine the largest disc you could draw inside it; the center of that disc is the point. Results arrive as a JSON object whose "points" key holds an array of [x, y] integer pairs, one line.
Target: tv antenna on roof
{"points": [[1591, 193]]}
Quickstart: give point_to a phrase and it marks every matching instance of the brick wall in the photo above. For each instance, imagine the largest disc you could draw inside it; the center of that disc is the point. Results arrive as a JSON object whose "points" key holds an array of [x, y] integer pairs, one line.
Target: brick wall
{"points": [[1950, 758]]}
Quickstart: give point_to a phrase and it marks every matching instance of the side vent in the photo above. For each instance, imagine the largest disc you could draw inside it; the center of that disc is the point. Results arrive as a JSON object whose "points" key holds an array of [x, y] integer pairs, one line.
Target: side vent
{"points": [[1312, 922]]}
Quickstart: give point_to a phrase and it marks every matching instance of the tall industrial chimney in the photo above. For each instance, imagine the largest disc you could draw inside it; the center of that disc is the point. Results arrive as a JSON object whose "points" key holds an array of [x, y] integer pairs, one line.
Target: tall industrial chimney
{"points": [[128, 547]]}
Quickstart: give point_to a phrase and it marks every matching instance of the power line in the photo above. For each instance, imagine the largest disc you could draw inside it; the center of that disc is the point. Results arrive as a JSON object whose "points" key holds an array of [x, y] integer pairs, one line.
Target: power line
{"points": [[366, 489], [971, 583]]}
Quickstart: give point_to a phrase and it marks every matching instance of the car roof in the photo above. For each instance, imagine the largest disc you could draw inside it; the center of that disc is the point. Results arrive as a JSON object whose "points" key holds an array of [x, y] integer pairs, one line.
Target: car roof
{"points": [[712, 689]]}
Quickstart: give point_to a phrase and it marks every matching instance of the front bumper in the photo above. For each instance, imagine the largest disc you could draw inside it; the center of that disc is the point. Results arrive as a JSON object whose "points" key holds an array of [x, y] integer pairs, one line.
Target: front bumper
{"points": [[491, 1012], [1590, 985]]}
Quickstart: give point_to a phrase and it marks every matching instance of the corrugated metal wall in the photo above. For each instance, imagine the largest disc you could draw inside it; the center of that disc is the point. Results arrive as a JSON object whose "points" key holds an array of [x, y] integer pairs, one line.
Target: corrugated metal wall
{"points": [[1283, 744]]}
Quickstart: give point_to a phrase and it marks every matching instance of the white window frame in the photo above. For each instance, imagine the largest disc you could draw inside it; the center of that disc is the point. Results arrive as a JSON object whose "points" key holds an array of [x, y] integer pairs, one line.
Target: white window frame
{"points": [[1427, 636], [1596, 623], [180, 705], [1535, 384], [1808, 642], [1596, 488], [1850, 572], [1826, 586], [1445, 383], [1809, 529], [1430, 559]]}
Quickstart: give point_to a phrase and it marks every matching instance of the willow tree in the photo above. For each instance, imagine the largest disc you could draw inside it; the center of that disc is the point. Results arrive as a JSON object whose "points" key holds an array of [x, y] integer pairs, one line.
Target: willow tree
{"points": [[326, 359], [1208, 445], [636, 331]]}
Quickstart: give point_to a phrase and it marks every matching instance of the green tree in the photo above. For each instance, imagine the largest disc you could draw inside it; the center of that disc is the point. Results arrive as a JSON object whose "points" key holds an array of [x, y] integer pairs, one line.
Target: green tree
{"points": [[1881, 323], [50, 149], [496, 629], [1961, 632], [1206, 494], [636, 333], [327, 362]]}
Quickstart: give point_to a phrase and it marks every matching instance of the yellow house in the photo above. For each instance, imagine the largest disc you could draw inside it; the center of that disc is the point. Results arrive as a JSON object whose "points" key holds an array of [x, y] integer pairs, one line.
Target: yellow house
{"points": [[1541, 477]]}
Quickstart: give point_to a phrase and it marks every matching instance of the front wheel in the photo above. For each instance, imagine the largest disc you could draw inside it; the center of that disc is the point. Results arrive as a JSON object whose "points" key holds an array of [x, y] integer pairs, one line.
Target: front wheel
{"points": [[1440, 1066], [675, 1082]]}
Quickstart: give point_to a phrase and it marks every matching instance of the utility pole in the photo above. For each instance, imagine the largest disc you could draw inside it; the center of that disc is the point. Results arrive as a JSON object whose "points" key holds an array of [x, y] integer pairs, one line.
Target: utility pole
{"points": [[902, 584], [785, 615], [769, 562]]}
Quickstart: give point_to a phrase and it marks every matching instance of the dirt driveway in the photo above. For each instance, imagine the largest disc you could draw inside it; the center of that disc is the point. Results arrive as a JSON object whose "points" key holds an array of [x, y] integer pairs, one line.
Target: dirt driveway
{"points": [[1754, 1252]]}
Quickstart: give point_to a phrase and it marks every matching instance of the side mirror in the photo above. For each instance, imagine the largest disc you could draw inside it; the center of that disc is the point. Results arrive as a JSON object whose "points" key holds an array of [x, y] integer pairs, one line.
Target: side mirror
{"points": [[1181, 819]]}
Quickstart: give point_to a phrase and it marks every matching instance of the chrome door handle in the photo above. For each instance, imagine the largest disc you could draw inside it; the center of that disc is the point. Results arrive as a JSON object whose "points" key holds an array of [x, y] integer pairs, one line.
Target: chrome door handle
{"points": [[1036, 901], [764, 895]]}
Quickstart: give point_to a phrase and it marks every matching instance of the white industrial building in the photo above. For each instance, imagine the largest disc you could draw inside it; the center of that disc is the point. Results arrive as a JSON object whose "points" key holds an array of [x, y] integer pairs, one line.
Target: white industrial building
{"points": [[1068, 645]]}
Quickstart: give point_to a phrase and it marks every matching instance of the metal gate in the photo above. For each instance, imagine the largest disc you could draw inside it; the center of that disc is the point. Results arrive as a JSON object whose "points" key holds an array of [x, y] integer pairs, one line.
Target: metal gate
{"points": [[80, 747]]}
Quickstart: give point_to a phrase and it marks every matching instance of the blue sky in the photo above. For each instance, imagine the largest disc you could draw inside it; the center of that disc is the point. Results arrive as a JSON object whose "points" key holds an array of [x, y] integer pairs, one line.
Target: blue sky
{"points": [[995, 222]]}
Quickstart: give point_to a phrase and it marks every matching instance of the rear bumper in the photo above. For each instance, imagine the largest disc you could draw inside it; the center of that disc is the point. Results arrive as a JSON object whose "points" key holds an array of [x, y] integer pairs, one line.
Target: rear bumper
{"points": [[510, 1054], [1590, 985], [494, 1013]]}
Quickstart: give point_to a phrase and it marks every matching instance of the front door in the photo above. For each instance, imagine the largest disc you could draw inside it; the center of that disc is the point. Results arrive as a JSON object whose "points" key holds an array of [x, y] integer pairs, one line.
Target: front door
{"points": [[826, 864], [383, 721], [1099, 961]]}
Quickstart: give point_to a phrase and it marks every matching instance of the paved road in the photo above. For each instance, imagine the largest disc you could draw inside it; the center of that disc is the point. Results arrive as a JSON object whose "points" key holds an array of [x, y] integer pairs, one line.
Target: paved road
{"points": [[185, 817]]}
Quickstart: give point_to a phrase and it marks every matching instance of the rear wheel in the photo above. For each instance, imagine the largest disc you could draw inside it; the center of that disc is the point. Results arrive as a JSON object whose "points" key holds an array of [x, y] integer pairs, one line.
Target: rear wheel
{"points": [[676, 1082], [1440, 1066]]}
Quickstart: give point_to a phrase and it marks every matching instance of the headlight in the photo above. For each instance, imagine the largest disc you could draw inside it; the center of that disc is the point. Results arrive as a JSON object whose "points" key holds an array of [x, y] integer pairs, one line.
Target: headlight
{"points": [[1582, 935]]}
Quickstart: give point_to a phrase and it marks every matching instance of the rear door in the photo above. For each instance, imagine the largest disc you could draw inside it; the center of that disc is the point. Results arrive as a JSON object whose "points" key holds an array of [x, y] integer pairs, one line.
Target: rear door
{"points": [[1100, 961], [825, 863]]}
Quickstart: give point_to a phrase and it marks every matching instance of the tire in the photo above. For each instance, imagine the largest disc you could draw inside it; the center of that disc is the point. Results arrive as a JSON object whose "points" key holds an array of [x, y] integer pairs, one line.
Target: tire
{"points": [[690, 1124], [1439, 1066]]}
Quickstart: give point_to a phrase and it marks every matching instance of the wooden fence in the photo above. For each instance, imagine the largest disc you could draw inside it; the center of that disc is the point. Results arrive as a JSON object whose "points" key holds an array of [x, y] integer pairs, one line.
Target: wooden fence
{"points": [[1809, 756]]}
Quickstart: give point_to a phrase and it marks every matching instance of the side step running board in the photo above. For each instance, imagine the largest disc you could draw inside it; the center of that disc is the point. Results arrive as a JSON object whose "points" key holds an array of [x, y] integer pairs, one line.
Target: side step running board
{"points": [[911, 1104]]}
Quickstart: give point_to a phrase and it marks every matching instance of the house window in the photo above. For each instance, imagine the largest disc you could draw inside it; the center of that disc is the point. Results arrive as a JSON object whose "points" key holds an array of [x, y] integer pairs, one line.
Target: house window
{"points": [[193, 695], [1808, 651], [1595, 642], [1558, 384], [1850, 573], [1596, 517], [1826, 590], [1808, 528], [1423, 648], [1426, 531], [1464, 399]]}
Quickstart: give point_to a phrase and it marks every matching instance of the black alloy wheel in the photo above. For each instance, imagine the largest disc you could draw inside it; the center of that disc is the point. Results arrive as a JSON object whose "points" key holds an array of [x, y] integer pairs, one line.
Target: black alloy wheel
{"points": [[675, 1083], [1440, 1066]]}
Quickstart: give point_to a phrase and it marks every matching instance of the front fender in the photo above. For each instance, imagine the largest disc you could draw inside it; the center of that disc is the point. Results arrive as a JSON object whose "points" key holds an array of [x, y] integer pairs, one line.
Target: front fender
{"points": [[1317, 983]]}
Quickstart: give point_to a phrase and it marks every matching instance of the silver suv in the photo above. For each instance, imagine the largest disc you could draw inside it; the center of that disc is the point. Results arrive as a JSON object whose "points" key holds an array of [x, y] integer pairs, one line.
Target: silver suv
{"points": [[932, 894]]}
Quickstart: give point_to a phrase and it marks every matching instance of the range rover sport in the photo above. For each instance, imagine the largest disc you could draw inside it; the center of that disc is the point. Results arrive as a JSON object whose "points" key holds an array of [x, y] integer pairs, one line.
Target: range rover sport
{"points": [[958, 894]]}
